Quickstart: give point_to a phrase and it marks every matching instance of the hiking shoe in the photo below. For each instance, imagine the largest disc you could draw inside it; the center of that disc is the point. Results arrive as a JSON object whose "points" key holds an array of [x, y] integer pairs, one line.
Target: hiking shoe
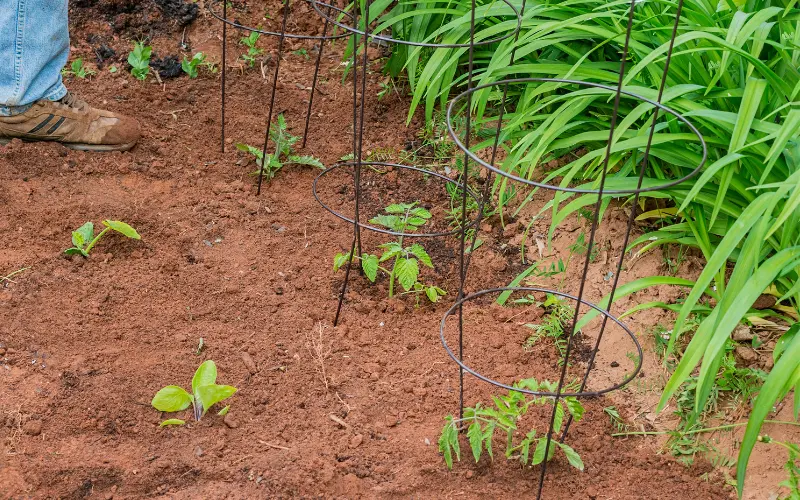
{"points": [[73, 123]]}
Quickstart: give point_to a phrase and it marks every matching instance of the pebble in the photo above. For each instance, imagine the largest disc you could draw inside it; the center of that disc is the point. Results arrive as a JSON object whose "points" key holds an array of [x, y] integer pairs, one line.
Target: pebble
{"points": [[198, 452], [356, 441], [32, 427], [420, 391], [469, 474], [249, 363], [230, 422], [614, 364]]}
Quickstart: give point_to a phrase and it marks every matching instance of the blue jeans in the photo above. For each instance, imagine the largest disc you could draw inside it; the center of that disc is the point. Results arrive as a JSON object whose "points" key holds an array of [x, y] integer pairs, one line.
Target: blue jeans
{"points": [[34, 47]]}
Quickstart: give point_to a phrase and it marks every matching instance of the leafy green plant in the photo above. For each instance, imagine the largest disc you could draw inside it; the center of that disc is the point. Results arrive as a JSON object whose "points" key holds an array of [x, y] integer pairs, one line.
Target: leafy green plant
{"points": [[301, 52], [84, 239], [400, 218], [483, 422], [190, 66], [253, 52], [205, 394], [139, 59], [284, 142], [78, 70], [558, 315]]}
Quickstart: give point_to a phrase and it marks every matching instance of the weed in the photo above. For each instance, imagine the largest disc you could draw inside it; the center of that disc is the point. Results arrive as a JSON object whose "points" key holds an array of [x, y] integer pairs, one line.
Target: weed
{"points": [[84, 239], [483, 422], [5, 280], [319, 349], [792, 483], [190, 66], [580, 247], [301, 52], [559, 314], [401, 218], [253, 52], [284, 142], [139, 59], [616, 419], [205, 394], [78, 70]]}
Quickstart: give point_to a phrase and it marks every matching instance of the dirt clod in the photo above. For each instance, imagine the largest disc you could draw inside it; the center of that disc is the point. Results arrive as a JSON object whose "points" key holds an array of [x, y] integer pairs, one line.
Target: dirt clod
{"points": [[249, 363], [32, 427]]}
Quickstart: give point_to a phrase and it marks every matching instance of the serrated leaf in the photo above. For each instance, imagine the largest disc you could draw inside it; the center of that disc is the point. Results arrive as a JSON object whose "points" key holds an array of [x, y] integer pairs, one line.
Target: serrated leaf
{"points": [[784, 341], [421, 254], [421, 212], [558, 419], [339, 260], [172, 398], [407, 271], [574, 407], [391, 222], [538, 453], [171, 421], [525, 451], [445, 441], [224, 411], [396, 208], [369, 263], [209, 395], [572, 456], [206, 374], [415, 222], [431, 293], [488, 433], [306, 160], [122, 228], [475, 439], [391, 250]]}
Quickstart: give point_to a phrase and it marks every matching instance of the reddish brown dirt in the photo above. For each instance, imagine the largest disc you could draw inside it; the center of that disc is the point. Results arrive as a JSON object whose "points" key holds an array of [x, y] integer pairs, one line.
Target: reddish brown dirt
{"points": [[85, 343]]}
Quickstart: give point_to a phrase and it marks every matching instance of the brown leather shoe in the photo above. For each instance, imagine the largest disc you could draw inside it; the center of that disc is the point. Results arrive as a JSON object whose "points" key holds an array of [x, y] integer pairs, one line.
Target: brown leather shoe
{"points": [[73, 123]]}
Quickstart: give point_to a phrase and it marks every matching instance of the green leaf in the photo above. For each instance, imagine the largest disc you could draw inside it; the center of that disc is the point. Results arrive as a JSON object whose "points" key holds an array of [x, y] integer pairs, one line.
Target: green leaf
{"points": [[224, 411], [432, 294], [76, 251], [123, 228], [421, 254], [785, 341], [448, 442], [369, 263], [574, 407], [391, 249], [172, 398], [206, 374], [83, 235], [391, 222], [488, 432], [475, 439], [306, 160], [415, 222], [340, 260], [407, 271], [572, 456], [209, 395], [171, 421], [538, 454], [421, 213], [397, 208]]}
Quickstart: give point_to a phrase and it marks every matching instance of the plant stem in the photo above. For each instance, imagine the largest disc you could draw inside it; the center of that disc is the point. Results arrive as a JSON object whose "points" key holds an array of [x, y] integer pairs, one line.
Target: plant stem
{"points": [[96, 239], [705, 429]]}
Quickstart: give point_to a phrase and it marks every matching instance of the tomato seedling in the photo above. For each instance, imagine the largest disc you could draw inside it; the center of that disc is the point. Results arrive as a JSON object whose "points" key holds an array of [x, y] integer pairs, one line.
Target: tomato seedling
{"points": [[205, 394], [250, 42], [190, 66], [84, 239], [284, 142], [400, 218], [78, 69], [483, 422]]}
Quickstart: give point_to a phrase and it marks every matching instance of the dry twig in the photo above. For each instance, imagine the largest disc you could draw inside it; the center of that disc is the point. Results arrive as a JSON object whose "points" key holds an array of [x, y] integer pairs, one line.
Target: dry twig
{"points": [[319, 350]]}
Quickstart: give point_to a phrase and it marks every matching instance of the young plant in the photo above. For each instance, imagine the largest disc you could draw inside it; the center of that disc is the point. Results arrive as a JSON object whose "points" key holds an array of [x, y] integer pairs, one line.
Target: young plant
{"points": [[559, 314], [252, 51], [483, 422], [205, 394], [284, 142], [190, 66], [401, 218], [78, 70], [84, 239], [139, 59]]}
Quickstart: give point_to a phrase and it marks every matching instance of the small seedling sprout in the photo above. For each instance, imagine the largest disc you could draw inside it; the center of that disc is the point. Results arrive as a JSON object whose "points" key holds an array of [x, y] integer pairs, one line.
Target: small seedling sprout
{"points": [[205, 394], [139, 59], [84, 239]]}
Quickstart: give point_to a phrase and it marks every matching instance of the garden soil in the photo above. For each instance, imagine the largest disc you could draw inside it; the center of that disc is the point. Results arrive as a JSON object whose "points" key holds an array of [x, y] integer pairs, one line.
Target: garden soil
{"points": [[354, 412]]}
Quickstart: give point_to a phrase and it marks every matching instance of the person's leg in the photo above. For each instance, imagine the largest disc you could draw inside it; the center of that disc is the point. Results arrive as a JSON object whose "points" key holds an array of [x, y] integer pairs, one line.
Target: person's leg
{"points": [[34, 47]]}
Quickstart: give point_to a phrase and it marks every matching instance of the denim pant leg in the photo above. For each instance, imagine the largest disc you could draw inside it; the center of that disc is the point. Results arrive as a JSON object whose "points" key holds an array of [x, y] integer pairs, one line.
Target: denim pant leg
{"points": [[34, 47]]}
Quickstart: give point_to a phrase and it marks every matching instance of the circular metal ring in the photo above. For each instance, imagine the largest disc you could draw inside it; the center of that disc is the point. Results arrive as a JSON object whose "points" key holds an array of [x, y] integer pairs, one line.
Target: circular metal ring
{"points": [[389, 39], [529, 182], [383, 230], [286, 35], [583, 394]]}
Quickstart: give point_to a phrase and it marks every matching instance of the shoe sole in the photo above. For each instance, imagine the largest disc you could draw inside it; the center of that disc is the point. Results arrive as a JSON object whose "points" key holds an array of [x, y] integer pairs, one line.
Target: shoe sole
{"points": [[98, 148]]}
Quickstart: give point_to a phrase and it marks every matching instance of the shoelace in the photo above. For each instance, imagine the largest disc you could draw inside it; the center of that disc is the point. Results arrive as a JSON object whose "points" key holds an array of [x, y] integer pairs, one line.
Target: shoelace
{"points": [[73, 101]]}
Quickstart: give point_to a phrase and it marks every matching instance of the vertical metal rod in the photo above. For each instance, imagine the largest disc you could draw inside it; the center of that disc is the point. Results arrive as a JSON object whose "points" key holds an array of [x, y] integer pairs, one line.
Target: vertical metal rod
{"points": [[464, 179], [364, 67], [316, 73], [632, 216], [487, 187], [595, 223], [272, 96], [224, 72]]}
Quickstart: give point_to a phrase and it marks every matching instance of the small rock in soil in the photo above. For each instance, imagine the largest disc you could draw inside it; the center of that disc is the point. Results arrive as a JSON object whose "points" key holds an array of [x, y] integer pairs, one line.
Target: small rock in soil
{"points": [[198, 452], [764, 301], [469, 474], [614, 364], [32, 427], [249, 363], [742, 333], [356, 441], [746, 354], [510, 230], [230, 422], [420, 391]]}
